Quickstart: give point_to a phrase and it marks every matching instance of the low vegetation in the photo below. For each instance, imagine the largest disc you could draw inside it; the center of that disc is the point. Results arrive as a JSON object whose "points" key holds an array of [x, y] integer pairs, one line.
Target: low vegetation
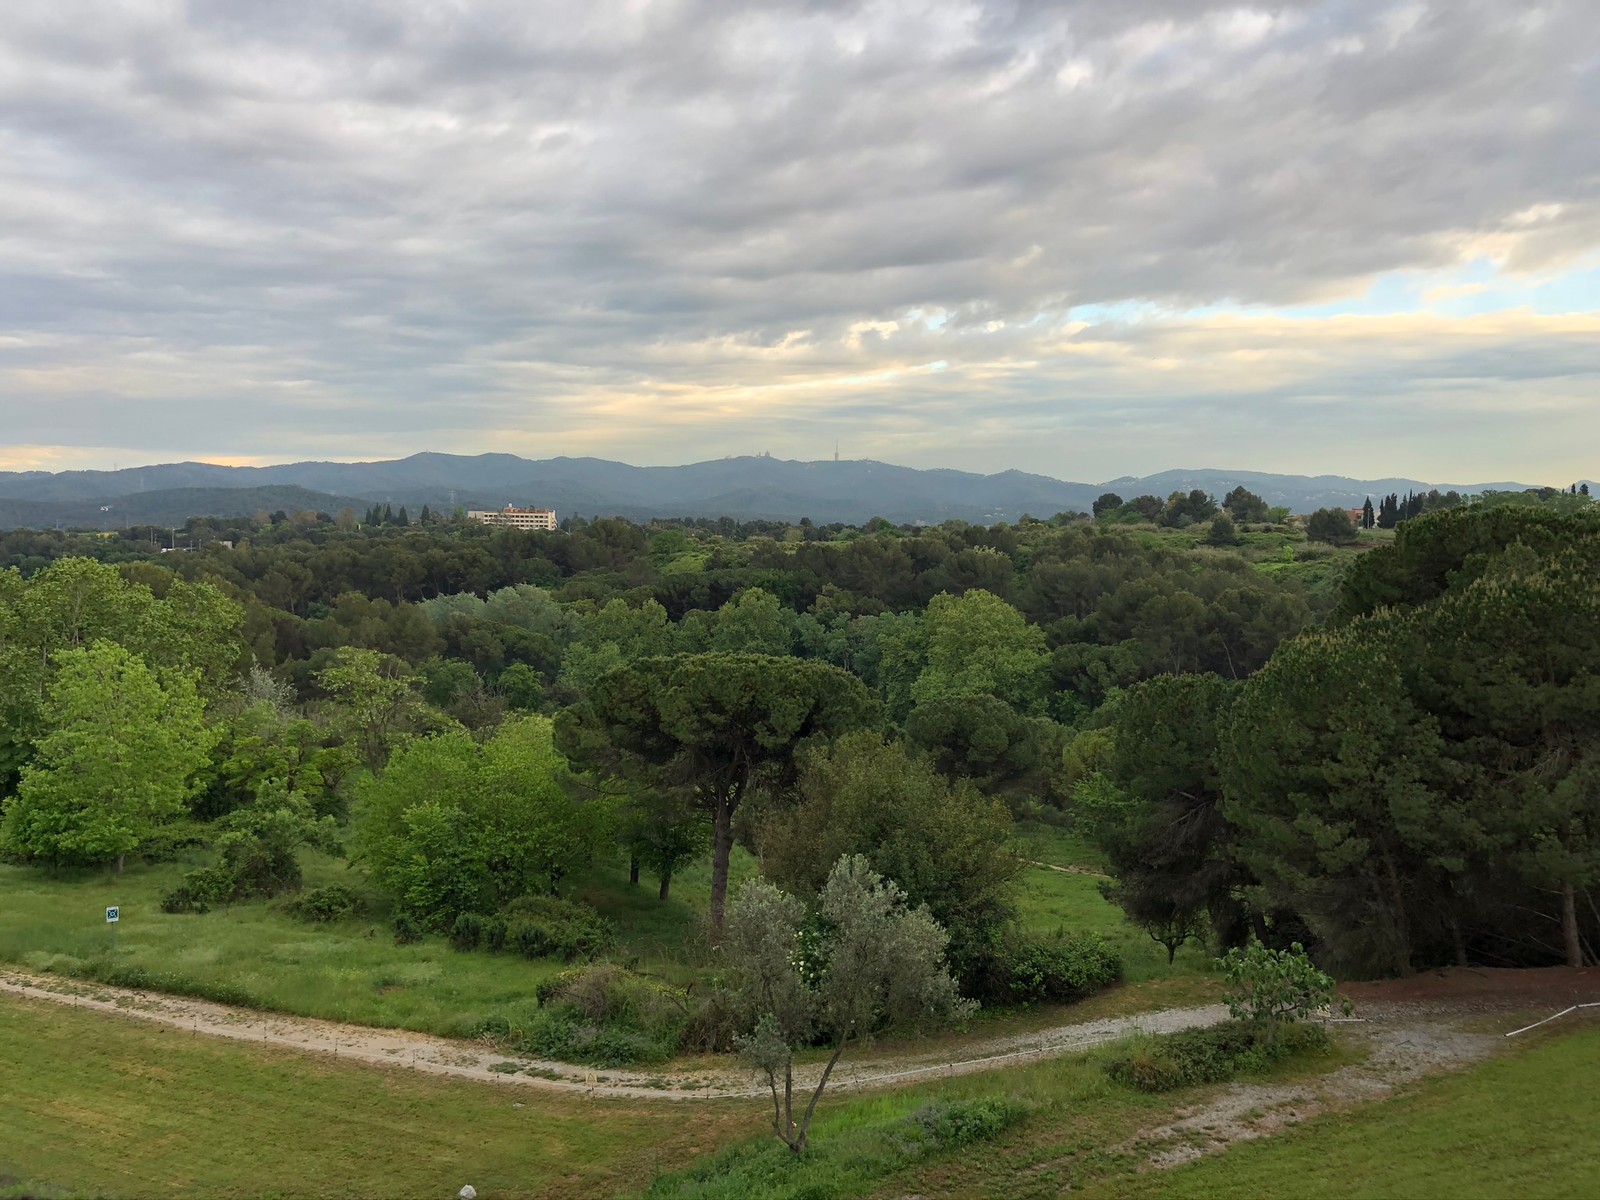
{"points": [[879, 778], [100, 1106], [1520, 1126]]}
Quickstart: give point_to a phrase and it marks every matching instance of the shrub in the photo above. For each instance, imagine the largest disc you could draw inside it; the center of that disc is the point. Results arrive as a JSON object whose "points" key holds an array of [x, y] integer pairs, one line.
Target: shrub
{"points": [[715, 1018], [949, 1125], [494, 933], [406, 930], [467, 932], [545, 927], [200, 890], [165, 842], [324, 904], [1274, 986], [605, 1015], [1063, 967], [528, 938], [1209, 1055]]}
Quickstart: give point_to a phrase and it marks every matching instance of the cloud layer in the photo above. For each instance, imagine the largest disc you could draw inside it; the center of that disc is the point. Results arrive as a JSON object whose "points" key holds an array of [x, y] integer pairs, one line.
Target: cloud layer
{"points": [[1086, 239]]}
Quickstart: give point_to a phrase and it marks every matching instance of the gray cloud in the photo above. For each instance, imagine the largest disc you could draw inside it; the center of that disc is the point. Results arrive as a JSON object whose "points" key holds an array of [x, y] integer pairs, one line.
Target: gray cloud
{"points": [[651, 228]]}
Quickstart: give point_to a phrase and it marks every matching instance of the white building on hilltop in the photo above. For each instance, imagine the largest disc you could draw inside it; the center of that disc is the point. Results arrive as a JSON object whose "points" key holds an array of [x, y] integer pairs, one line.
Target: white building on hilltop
{"points": [[516, 518]]}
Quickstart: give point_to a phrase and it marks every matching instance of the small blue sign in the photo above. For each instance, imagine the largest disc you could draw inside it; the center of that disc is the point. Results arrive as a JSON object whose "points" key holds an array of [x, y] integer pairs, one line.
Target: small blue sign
{"points": [[113, 915]]}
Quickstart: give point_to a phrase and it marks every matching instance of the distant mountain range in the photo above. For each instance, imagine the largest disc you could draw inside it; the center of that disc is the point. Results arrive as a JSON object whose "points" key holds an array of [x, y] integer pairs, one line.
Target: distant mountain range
{"points": [[743, 488]]}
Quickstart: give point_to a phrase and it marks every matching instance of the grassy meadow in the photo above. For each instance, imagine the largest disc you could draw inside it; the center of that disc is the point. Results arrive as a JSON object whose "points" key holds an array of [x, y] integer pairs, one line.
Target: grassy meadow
{"points": [[257, 954], [352, 970]]}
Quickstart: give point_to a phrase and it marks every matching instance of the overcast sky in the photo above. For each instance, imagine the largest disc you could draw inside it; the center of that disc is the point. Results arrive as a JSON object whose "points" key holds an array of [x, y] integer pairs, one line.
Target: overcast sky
{"points": [[1082, 238]]}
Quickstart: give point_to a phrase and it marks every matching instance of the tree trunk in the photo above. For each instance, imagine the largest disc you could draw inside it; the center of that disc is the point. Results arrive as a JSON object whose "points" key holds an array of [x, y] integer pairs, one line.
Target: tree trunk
{"points": [[1569, 925], [666, 882], [1459, 944], [788, 1104], [633, 870], [1402, 926], [122, 857], [805, 1122], [721, 850]]}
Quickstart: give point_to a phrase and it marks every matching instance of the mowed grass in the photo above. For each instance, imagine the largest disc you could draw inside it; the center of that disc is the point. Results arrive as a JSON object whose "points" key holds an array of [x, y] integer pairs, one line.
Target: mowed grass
{"points": [[348, 970], [1079, 1128], [93, 1104], [1527, 1126], [1521, 1127]]}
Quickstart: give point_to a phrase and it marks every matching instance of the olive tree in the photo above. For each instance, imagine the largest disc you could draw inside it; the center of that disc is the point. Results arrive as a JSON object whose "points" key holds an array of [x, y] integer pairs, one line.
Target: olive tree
{"points": [[863, 960]]}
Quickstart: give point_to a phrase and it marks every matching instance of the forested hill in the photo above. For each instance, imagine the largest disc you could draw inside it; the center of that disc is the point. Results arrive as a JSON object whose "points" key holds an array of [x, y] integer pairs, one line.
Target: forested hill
{"points": [[744, 488], [167, 506]]}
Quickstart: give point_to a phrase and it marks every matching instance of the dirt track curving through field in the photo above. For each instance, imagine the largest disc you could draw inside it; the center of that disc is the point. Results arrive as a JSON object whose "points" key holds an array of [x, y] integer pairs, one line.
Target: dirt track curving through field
{"points": [[1404, 1015]]}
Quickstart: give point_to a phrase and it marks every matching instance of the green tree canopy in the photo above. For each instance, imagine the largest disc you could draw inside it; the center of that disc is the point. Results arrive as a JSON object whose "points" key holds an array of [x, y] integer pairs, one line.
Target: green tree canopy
{"points": [[1157, 812], [454, 825], [118, 757], [977, 644], [1331, 525], [947, 846], [719, 724]]}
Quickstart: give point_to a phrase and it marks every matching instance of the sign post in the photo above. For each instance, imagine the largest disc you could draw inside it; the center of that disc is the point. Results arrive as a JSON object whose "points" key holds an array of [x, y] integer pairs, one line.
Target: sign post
{"points": [[113, 915]]}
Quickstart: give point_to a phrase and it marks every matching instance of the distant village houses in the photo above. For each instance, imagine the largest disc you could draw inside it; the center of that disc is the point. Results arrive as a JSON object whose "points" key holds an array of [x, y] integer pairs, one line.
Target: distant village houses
{"points": [[516, 518]]}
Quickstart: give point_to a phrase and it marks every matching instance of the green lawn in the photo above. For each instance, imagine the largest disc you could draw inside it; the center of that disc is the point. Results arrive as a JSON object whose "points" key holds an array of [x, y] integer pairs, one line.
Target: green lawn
{"points": [[1517, 1127], [1050, 899], [1077, 1118], [349, 970], [100, 1105], [95, 1104]]}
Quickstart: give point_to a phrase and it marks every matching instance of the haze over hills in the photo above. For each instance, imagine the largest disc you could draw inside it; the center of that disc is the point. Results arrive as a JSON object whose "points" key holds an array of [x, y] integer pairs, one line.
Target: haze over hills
{"points": [[744, 488]]}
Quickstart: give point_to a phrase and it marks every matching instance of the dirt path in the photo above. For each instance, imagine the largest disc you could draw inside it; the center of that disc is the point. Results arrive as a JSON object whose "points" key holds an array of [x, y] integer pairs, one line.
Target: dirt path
{"points": [[1432, 1022], [442, 1056], [1398, 1054], [1033, 862], [1411, 1026]]}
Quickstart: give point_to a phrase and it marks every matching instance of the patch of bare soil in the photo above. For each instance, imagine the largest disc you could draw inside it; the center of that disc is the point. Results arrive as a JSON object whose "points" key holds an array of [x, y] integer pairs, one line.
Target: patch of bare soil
{"points": [[1399, 1052], [1488, 990]]}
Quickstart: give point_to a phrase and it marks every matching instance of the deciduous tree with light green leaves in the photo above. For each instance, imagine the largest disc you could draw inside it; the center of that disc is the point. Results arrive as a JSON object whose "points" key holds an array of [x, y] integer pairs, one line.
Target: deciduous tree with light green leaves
{"points": [[456, 826], [980, 645], [117, 759], [75, 602]]}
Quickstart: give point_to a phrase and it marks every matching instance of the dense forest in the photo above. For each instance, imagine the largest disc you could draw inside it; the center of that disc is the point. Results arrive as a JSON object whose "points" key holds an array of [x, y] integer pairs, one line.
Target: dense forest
{"points": [[1384, 744]]}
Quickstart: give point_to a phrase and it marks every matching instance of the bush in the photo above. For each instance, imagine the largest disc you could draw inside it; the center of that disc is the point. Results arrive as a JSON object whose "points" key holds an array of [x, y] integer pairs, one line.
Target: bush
{"points": [[406, 930], [495, 933], [200, 890], [324, 904], [949, 1125], [715, 1018], [1063, 967], [1274, 986], [467, 932], [166, 842], [545, 927], [608, 1016], [1210, 1055]]}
